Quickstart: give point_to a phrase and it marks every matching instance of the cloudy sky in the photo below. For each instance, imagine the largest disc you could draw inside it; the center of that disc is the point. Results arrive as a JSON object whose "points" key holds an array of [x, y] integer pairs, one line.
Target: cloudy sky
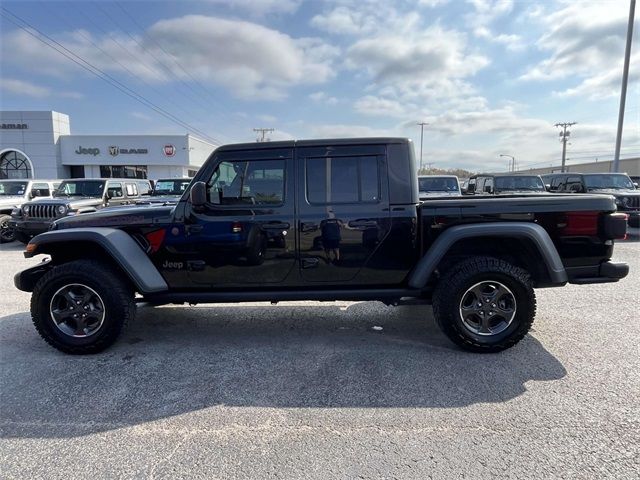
{"points": [[489, 77]]}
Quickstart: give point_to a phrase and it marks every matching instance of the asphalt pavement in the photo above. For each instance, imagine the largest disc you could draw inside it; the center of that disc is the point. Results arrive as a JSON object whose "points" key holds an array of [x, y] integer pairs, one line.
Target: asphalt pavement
{"points": [[311, 390]]}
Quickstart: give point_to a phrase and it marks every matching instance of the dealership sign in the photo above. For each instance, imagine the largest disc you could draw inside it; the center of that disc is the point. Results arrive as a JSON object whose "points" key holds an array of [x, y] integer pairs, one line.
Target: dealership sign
{"points": [[14, 126], [169, 150], [88, 151], [114, 151]]}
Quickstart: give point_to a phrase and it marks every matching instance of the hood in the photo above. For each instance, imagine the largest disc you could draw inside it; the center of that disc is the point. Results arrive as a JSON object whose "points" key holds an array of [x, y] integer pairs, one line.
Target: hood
{"points": [[11, 200], [616, 192], [118, 217], [74, 202], [158, 199], [439, 194], [523, 192]]}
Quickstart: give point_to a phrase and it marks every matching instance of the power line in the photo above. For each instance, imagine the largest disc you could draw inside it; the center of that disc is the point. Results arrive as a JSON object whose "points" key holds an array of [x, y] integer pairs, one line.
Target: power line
{"points": [[172, 57], [263, 131], [77, 59], [98, 47], [564, 134], [197, 100]]}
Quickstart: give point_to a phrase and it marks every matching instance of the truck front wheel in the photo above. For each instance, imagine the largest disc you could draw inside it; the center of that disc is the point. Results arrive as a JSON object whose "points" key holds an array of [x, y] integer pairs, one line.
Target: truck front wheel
{"points": [[484, 304], [7, 233], [82, 306]]}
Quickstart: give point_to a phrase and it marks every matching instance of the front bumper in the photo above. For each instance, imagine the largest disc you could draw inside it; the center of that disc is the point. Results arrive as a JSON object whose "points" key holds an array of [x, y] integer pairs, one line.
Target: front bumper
{"points": [[606, 272], [30, 227]]}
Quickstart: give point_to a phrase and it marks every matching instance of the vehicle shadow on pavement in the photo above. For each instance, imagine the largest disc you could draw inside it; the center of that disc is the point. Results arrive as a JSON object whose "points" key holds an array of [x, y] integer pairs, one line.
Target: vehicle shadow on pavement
{"points": [[177, 360]]}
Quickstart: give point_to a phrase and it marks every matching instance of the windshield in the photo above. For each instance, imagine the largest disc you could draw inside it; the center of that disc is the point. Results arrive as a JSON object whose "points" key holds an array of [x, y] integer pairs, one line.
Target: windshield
{"points": [[80, 188], [615, 181], [532, 183], [438, 184], [171, 187], [13, 188]]}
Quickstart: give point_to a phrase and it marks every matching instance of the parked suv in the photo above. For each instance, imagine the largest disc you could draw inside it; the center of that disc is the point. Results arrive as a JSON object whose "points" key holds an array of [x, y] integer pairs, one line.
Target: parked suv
{"points": [[74, 197], [14, 193], [438, 186], [617, 184], [166, 190], [504, 184]]}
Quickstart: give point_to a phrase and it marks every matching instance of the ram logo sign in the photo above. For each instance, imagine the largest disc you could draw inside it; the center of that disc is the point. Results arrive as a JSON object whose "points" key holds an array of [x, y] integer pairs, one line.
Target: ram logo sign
{"points": [[113, 151]]}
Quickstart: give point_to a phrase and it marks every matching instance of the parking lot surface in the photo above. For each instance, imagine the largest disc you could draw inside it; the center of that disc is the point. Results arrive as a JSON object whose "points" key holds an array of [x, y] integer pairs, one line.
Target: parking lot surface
{"points": [[312, 390]]}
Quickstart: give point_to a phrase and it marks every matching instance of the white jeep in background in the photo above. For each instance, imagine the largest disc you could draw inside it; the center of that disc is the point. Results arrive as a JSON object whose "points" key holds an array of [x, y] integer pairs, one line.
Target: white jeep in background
{"points": [[14, 193]]}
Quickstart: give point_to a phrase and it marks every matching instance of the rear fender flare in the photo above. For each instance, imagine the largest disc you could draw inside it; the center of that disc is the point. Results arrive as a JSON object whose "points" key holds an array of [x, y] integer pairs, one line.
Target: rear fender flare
{"points": [[530, 231]]}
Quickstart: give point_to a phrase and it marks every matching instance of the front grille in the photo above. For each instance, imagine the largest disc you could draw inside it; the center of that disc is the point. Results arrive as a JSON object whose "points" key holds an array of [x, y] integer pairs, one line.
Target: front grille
{"points": [[634, 202], [42, 211]]}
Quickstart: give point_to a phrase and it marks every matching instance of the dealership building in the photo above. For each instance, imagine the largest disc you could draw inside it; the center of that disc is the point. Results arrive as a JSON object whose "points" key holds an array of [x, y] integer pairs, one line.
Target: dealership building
{"points": [[40, 145]]}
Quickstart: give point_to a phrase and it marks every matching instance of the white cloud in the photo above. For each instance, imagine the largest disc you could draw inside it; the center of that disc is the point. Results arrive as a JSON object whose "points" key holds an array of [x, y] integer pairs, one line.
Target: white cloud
{"points": [[372, 105], [22, 87], [323, 98], [140, 116], [250, 60], [261, 7], [345, 131]]}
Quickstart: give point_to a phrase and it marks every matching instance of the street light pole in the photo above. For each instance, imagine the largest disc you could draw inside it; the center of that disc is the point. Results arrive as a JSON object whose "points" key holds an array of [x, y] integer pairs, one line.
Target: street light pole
{"points": [[422, 124], [623, 90], [512, 163]]}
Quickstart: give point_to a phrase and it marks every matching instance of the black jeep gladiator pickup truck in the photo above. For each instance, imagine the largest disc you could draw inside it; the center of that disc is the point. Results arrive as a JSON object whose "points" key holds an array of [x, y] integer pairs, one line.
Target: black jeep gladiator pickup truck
{"points": [[320, 220]]}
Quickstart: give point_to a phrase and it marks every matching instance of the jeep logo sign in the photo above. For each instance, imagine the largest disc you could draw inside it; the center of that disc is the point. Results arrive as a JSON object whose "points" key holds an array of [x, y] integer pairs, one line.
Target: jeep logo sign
{"points": [[169, 150], [88, 151]]}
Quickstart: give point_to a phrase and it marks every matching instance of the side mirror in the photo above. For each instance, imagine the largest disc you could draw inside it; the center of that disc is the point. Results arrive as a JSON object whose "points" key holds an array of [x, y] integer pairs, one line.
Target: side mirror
{"points": [[198, 194], [635, 184], [109, 195], [547, 187], [34, 193], [488, 189]]}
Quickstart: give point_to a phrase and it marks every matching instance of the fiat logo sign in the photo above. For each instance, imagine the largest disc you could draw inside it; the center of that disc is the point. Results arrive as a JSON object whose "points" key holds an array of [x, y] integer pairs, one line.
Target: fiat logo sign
{"points": [[169, 150]]}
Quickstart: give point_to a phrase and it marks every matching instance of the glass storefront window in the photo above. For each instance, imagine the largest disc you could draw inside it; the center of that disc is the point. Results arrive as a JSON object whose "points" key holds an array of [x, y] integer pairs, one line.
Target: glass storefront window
{"points": [[14, 165], [123, 171]]}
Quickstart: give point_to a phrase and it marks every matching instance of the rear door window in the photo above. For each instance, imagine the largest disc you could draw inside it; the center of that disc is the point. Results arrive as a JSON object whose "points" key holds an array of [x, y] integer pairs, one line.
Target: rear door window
{"points": [[342, 180]]}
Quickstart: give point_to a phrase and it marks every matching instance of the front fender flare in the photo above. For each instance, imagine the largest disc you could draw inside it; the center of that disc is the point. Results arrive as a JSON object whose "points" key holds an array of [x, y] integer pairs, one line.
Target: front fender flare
{"points": [[530, 231], [119, 246]]}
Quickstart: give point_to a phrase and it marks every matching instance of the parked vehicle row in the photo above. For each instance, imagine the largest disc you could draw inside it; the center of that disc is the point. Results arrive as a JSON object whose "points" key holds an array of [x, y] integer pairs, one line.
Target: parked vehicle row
{"points": [[320, 220], [29, 207], [13, 193]]}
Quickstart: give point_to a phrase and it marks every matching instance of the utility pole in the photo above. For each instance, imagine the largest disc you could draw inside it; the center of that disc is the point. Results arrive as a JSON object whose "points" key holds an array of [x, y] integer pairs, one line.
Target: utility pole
{"points": [[623, 90], [564, 137], [263, 131], [512, 162], [422, 124]]}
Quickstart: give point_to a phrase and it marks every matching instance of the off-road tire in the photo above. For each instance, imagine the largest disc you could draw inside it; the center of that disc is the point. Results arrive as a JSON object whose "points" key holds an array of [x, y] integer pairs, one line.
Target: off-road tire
{"points": [[454, 283], [116, 295], [6, 234]]}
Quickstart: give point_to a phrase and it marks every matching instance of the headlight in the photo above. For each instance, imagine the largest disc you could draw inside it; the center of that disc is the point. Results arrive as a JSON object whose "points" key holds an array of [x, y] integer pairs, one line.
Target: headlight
{"points": [[61, 209], [625, 201], [15, 212], [25, 209]]}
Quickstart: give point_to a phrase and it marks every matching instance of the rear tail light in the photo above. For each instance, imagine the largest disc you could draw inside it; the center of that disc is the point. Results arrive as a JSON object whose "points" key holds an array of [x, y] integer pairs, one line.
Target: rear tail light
{"points": [[579, 224], [236, 227], [614, 226]]}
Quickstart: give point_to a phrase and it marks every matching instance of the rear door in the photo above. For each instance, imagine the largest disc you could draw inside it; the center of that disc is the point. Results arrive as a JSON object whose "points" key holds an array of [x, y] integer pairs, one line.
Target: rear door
{"points": [[343, 212]]}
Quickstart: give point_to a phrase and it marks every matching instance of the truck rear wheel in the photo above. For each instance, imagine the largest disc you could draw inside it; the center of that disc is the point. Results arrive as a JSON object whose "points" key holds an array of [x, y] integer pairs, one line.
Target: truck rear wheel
{"points": [[81, 307], [484, 304]]}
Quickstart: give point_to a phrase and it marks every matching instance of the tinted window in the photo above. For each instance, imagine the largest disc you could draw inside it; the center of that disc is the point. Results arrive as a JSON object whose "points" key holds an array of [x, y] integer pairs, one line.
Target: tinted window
{"points": [[520, 182], [132, 189], [574, 184], [171, 187], [13, 188], [608, 181], [80, 188], [342, 180], [114, 190], [255, 182], [437, 184]]}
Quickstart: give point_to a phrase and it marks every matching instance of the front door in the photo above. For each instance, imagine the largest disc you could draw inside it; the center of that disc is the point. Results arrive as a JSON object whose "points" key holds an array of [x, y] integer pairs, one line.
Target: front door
{"points": [[343, 212], [242, 235]]}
